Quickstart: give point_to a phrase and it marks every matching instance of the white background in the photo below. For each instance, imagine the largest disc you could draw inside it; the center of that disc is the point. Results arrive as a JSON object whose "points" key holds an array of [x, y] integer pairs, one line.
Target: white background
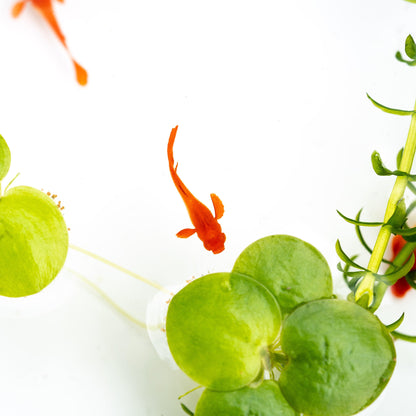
{"points": [[273, 117]]}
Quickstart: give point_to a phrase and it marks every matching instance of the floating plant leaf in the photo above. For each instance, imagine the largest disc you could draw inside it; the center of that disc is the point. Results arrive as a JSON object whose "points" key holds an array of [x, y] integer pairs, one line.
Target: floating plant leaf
{"points": [[220, 327], [340, 358], [5, 158], [264, 400], [33, 241], [391, 110], [293, 270]]}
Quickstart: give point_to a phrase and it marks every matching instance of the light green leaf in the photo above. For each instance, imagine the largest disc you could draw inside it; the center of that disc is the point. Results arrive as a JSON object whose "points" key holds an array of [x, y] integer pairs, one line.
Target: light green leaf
{"points": [[334, 367], [399, 157], [264, 400], [33, 241], [390, 110], [410, 47], [293, 270], [5, 158]]}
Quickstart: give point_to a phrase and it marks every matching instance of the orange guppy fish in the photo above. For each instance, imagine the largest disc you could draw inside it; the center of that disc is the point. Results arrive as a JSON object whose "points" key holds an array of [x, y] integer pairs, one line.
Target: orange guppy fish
{"points": [[44, 7], [206, 225]]}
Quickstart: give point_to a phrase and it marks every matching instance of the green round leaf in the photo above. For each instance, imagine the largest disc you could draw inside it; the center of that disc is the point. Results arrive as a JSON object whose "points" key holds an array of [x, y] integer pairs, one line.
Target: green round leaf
{"points": [[294, 271], [340, 358], [219, 329], [33, 241], [264, 400], [5, 158]]}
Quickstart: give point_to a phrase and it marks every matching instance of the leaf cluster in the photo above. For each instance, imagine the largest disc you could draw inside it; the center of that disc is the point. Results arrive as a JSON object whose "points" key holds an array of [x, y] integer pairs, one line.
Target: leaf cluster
{"points": [[409, 48], [353, 272]]}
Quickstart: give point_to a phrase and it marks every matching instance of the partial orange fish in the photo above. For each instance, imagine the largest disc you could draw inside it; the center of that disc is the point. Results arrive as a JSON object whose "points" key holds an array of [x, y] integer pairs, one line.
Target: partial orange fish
{"points": [[45, 8], [206, 225]]}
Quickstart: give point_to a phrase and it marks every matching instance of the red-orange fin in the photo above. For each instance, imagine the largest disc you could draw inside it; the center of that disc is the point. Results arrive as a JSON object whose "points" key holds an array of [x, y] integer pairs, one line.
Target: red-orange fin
{"points": [[81, 73], [17, 8], [218, 206], [186, 232], [61, 1]]}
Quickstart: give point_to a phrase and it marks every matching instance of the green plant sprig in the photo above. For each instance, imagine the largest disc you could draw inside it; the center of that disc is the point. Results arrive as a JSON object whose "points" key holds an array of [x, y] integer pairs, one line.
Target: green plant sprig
{"points": [[366, 281], [410, 49]]}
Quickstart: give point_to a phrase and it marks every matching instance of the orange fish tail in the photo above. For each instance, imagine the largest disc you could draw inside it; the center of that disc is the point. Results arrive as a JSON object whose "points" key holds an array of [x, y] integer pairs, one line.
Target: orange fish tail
{"points": [[170, 148], [46, 10], [18, 7], [81, 73]]}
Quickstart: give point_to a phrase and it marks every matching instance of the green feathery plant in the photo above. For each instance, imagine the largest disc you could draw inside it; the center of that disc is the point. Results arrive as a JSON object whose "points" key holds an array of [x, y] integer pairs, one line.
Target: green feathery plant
{"points": [[367, 284]]}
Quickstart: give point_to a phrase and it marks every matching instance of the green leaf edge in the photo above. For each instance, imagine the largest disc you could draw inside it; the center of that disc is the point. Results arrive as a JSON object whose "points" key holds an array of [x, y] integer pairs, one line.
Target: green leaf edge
{"points": [[187, 410], [399, 57], [347, 260], [393, 326], [393, 277], [358, 222], [389, 110], [409, 279], [410, 47], [381, 170], [403, 337], [5, 158]]}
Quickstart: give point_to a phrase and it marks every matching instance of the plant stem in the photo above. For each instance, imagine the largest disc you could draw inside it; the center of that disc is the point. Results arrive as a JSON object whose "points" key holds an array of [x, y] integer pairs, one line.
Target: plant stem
{"points": [[366, 287]]}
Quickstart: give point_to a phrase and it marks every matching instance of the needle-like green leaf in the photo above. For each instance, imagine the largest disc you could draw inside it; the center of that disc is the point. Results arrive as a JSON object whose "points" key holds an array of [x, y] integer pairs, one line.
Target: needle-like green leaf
{"points": [[360, 223], [393, 326], [344, 257], [362, 240], [187, 410], [393, 277], [399, 157], [404, 337], [389, 110], [411, 279]]}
